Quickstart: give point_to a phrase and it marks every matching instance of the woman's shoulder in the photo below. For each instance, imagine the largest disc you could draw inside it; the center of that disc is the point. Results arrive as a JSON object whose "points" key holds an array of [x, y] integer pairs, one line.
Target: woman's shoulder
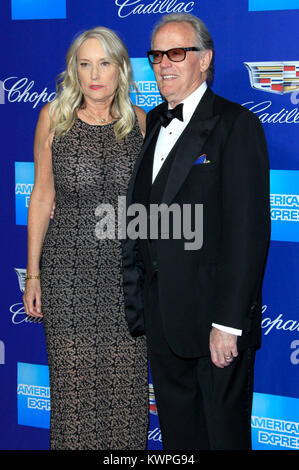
{"points": [[141, 116], [44, 127], [46, 118], [44, 113]]}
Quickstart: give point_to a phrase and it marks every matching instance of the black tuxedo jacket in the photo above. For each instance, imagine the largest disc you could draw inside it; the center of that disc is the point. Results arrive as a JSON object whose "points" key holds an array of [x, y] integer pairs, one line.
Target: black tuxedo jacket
{"points": [[220, 282]]}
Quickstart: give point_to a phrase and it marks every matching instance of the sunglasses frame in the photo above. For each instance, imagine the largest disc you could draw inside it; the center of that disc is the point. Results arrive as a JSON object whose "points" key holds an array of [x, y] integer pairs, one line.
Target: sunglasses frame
{"points": [[185, 49]]}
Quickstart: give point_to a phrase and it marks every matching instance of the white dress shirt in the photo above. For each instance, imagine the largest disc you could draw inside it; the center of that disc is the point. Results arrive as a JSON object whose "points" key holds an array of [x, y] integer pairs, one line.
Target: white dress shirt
{"points": [[170, 134], [167, 138]]}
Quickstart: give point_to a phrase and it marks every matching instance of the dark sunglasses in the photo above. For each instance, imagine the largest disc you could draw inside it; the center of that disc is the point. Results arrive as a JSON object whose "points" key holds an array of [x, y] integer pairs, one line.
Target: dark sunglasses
{"points": [[177, 54]]}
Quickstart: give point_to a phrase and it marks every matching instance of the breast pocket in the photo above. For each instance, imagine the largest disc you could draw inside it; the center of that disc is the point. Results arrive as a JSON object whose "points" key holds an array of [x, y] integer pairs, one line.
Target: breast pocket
{"points": [[204, 167], [203, 176]]}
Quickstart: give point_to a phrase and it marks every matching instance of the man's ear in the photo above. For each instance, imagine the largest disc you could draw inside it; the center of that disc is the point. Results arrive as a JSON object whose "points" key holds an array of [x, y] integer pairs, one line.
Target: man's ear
{"points": [[205, 60]]}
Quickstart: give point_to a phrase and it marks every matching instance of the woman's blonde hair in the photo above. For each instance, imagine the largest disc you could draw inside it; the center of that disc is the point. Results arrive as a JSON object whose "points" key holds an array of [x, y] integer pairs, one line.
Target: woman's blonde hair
{"points": [[69, 96]]}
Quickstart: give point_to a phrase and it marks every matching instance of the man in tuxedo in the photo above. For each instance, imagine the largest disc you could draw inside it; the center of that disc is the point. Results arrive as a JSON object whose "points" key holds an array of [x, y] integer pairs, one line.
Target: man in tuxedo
{"points": [[200, 309]]}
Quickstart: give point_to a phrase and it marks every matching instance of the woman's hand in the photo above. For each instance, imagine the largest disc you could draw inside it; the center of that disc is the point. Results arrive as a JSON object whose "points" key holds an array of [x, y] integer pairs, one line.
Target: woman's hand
{"points": [[32, 298], [52, 211]]}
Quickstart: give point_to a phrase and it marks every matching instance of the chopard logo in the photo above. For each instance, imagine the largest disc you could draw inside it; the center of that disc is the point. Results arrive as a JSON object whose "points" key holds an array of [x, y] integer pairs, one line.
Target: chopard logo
{"points": [[278, 323], [2, 353], [139, 7], [17, 90]]}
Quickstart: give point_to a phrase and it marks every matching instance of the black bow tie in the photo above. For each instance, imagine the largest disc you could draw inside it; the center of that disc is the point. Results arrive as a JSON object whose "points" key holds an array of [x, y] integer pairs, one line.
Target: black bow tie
{"points": [[167, 116]]}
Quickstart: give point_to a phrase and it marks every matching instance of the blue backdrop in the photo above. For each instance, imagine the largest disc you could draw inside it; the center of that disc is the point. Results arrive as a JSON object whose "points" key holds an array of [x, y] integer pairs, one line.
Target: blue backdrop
{"points": [[257, 65]]}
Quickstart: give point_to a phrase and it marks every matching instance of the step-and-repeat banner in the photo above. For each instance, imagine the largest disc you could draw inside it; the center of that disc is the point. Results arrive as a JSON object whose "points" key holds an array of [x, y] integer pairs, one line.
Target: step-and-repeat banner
{"points": [[257, 65]]}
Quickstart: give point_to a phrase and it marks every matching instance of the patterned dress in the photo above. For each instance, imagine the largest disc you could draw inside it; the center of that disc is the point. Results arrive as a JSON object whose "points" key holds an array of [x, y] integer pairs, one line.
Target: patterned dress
{"points": [[98, 372]]}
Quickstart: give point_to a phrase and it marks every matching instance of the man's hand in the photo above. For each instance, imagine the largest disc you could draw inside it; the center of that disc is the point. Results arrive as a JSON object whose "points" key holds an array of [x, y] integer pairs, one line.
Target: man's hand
{"points": [[223, 347]]}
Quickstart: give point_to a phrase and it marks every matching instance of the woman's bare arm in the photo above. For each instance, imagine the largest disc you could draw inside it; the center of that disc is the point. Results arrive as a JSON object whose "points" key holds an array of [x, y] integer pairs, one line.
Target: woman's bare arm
{"points": [[40, 205]]}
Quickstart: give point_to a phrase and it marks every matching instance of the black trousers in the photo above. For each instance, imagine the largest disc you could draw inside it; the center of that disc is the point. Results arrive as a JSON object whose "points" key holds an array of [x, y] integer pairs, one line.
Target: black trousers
{"points": [[200, 406]]}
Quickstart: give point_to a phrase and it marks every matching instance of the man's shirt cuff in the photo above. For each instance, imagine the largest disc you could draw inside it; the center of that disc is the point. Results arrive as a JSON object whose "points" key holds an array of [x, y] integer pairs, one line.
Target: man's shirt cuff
{"points": [[227, 329]]}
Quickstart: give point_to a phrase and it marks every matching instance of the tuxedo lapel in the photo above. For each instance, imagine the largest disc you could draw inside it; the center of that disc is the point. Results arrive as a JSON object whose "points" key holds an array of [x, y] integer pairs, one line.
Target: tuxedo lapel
{"points": [[148, 140], [187, 148], [190, 144]]}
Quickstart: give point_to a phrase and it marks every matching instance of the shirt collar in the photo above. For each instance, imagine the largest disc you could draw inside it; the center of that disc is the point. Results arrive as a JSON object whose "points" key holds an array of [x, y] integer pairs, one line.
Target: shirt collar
{"points": [[191, 102]]}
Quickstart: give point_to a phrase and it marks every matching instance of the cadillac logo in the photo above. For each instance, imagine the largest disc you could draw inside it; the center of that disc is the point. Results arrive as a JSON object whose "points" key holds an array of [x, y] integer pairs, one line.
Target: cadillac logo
{"points": [[274, 77], [152, 401], [21, 273]]}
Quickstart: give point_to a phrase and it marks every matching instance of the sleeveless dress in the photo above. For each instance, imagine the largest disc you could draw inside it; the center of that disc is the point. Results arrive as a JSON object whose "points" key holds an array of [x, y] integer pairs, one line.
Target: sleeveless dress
{"points": [[98, 372]]}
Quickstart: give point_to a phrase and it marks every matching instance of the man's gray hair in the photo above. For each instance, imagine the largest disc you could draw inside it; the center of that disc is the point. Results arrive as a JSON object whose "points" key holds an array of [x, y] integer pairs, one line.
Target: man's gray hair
{"points": [[204, 39]]}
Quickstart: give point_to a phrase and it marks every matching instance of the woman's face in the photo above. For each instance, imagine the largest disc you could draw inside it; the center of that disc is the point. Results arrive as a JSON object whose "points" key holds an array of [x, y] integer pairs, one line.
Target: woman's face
{"points": [[97, 74]]}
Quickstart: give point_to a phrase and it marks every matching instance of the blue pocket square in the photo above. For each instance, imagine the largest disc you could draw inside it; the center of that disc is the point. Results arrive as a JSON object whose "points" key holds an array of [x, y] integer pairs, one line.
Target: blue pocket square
{"points": [[201, 159]]}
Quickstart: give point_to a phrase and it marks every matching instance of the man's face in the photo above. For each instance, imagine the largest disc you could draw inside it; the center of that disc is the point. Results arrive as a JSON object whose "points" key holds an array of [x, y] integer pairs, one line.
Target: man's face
{"points": [[177, 80]]}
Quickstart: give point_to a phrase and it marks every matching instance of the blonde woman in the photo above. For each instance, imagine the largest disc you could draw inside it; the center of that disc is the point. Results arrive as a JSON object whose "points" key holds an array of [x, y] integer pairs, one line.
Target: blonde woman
{"points": [[85, 147]]}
